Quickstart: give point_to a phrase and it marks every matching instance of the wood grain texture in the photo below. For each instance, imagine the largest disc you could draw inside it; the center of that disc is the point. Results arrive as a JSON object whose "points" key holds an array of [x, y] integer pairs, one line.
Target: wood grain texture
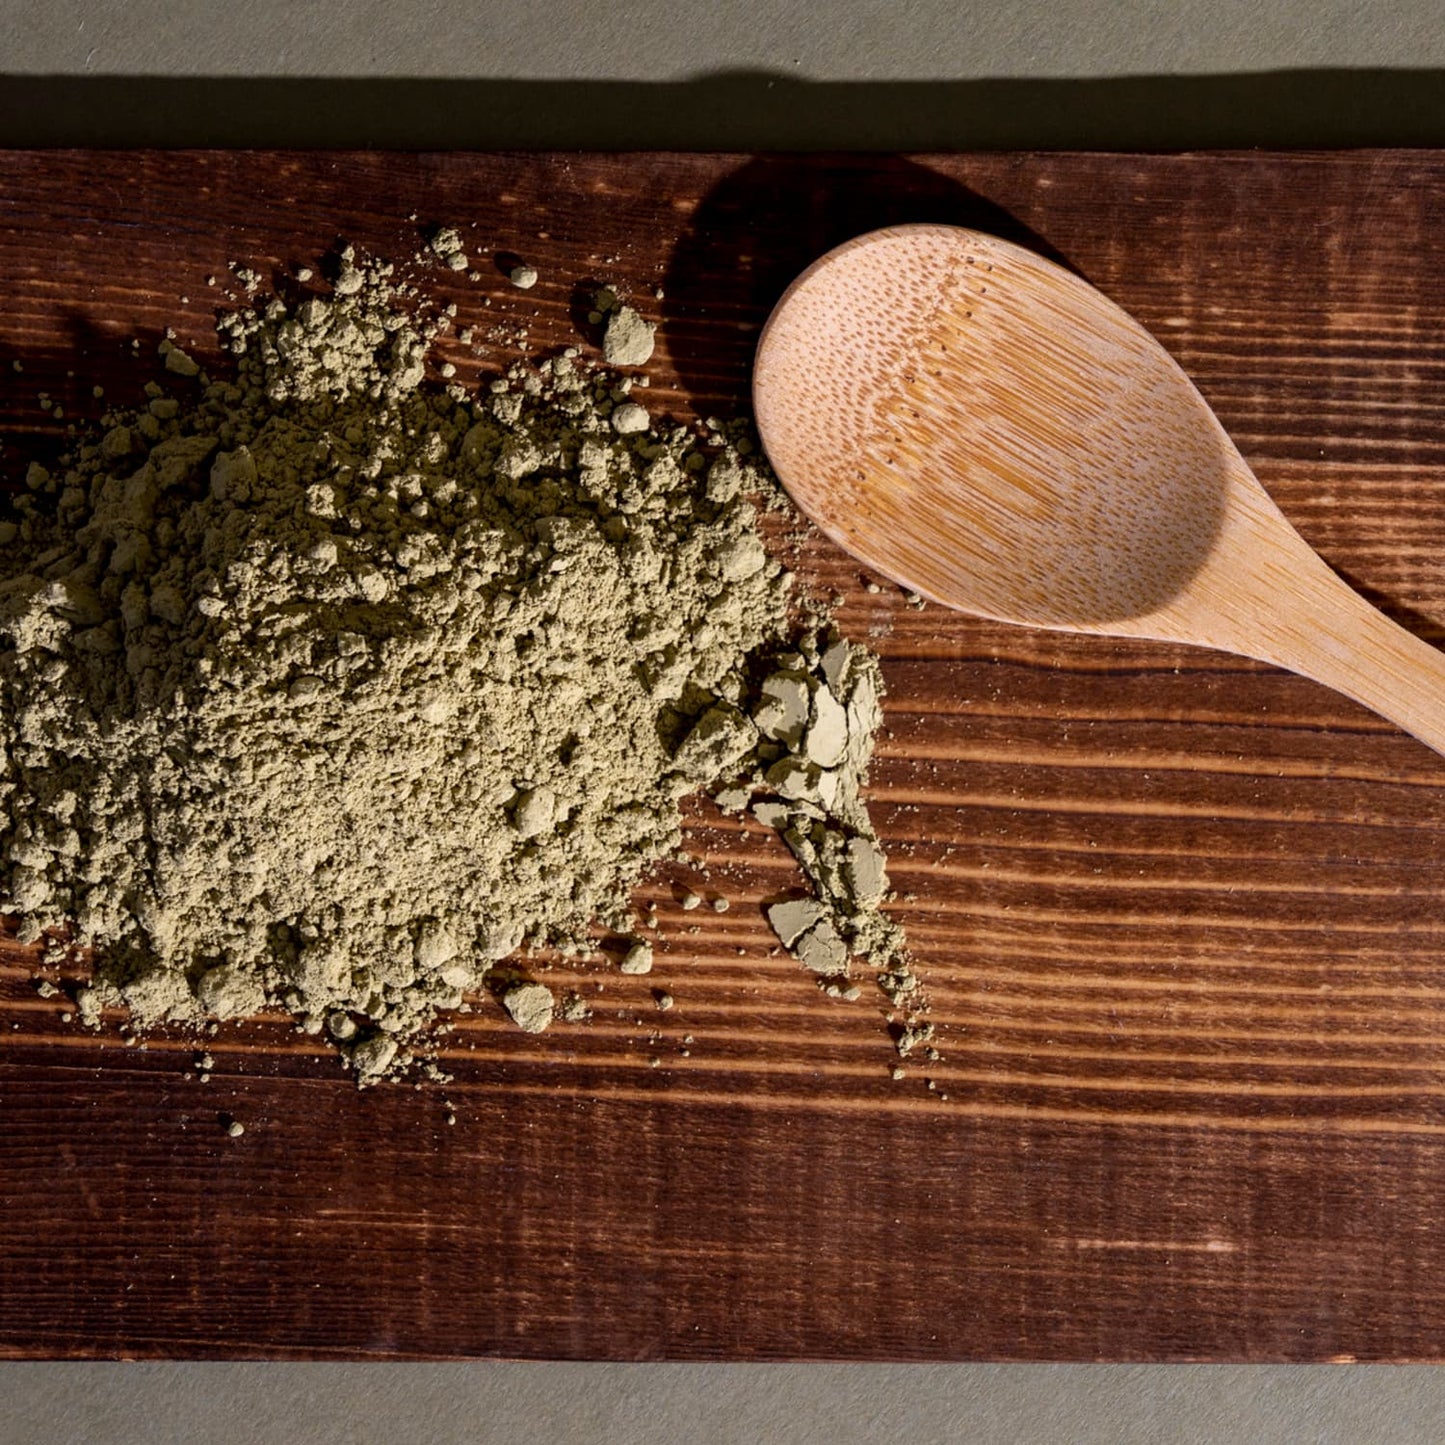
{"points": [[1179, 914]]}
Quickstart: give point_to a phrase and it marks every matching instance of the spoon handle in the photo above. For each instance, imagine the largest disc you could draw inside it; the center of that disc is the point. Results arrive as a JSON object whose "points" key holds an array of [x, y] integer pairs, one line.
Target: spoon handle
{"points": [[1358, 651], [1313, 623]]}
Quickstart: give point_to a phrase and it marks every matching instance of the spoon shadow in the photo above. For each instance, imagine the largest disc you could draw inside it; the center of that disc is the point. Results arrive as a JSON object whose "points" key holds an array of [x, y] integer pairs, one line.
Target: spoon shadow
{"points": [[763, 223]]}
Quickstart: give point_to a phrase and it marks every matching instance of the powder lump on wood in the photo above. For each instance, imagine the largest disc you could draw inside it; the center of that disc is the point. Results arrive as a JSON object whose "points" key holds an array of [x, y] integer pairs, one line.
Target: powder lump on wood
{"points": [[328, 687]]}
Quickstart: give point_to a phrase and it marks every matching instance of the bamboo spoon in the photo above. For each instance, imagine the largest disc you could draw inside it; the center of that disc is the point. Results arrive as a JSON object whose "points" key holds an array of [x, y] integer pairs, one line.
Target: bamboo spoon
{"points": [[986, 428]]}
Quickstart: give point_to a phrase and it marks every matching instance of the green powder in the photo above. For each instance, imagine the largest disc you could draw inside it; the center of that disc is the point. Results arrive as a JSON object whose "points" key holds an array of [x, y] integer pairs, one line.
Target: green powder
{"points": [[628, 338], [530, 1005], [328, 687]]}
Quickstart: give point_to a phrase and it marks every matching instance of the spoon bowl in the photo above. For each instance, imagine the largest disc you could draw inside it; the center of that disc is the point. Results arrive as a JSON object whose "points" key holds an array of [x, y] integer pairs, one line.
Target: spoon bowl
{"points": [[986, 428]]}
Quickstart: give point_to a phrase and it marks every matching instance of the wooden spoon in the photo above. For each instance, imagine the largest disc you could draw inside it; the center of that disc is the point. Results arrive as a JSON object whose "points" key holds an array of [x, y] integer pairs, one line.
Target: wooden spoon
{"points": [[986, 428]]}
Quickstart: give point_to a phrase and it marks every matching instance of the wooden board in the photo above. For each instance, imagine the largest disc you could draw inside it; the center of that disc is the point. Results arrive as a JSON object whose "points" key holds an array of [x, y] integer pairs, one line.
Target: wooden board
{"points": [[1180, 915]]}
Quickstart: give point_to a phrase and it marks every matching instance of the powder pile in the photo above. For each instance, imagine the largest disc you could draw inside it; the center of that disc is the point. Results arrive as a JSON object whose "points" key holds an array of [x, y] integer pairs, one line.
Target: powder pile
{"points": [[329, 687]]}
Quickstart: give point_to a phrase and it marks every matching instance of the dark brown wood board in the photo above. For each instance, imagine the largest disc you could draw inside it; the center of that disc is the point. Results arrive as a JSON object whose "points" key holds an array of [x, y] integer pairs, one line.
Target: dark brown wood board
{"points": [[1179, 915]]}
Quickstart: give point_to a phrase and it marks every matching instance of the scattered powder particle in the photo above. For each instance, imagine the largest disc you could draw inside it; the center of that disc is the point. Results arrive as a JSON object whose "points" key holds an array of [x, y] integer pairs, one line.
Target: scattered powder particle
{"points": [[720, 905], [176, 360], [341, 1026], [663, 1000], [350, 279], [373, 1057], [912, 1036], [898, 985], [235, 1129], [523, 277], [447, 247], [691, 901], [638, 958], [792, 919], [530, 1005], [574, 1009], [628, 339], [629, 419]]}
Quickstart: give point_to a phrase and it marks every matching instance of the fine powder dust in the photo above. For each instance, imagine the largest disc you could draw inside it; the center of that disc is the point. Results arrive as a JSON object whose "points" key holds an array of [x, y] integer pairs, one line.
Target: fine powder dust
{"points": [[329, 687]]}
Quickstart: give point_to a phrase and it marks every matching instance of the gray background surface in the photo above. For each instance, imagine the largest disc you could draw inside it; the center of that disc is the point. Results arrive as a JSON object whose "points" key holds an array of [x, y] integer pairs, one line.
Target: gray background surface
{"points": [[664, 39], [734, 74]]}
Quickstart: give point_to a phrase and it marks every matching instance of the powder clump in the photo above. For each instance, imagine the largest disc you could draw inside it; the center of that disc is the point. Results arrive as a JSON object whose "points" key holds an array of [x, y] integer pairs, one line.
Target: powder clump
{"points": [[638, 958], [628, 339], [447, 246], [530, 1005]]}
